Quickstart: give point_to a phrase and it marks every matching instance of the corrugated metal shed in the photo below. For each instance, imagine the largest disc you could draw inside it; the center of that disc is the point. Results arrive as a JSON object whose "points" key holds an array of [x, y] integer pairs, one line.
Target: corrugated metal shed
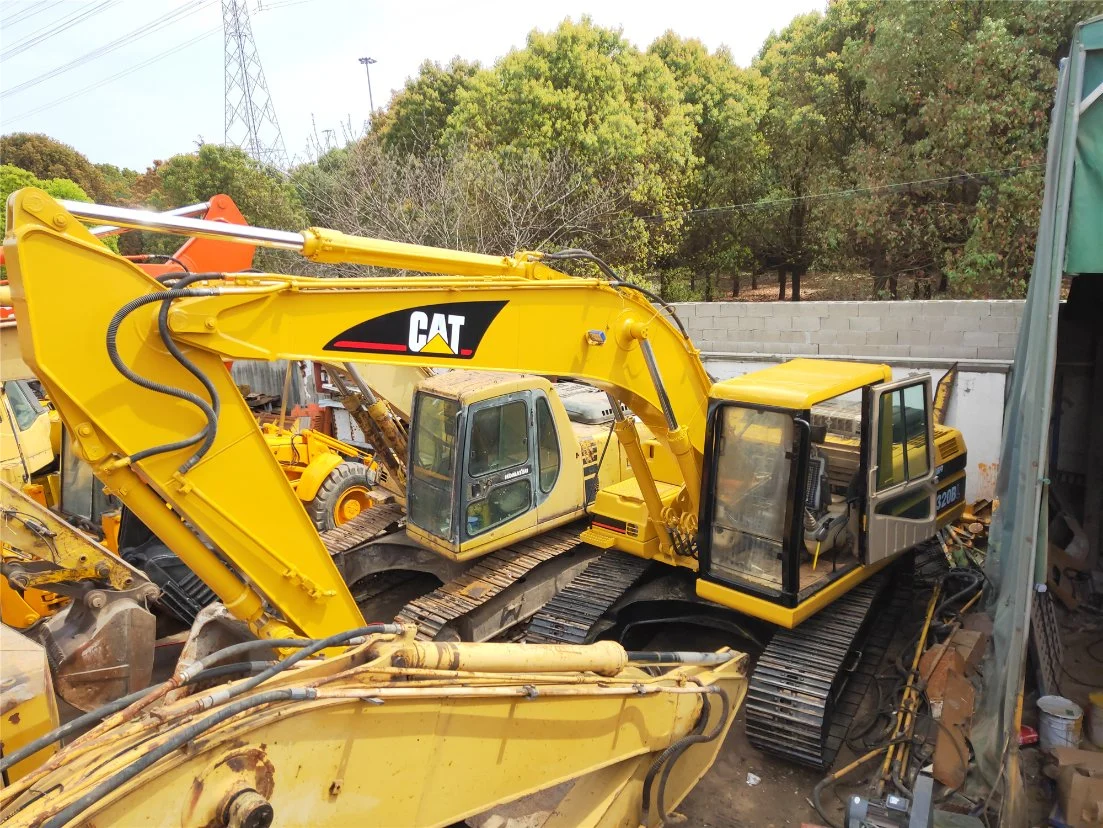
{"points": [[268, 378]]}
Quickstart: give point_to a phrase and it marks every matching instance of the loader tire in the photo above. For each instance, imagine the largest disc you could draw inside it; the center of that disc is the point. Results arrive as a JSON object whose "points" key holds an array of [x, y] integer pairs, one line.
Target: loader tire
{"points": [[343, 495]]}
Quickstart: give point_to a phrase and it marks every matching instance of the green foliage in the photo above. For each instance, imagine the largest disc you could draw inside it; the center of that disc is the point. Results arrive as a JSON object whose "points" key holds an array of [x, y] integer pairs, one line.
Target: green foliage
{"points": [[905, 140], [585, 91], [264, 196], [119, 183], [418, 114], [725, 104], [49, 159], [975, 97], [14, 178]]}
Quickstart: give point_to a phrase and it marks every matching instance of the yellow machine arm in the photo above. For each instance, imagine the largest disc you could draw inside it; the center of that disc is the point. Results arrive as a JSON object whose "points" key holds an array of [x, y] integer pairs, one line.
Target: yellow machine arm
{"points": [[398, 732], [93, 325]]}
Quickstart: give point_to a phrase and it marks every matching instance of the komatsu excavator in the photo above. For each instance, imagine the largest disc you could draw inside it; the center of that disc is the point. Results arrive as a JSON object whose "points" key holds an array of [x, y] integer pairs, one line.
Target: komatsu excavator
{"points": [[778, 497]]}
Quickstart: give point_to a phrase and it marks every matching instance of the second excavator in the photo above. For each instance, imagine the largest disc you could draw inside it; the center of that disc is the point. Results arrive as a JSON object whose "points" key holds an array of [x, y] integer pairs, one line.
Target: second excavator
{"points": [[772, 501]]}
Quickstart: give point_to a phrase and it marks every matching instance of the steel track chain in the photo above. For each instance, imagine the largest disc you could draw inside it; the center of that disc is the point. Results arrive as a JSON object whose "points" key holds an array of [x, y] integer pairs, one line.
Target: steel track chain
{"points": [[378, 520], [483, 580], [796, 705], [568, 617]]}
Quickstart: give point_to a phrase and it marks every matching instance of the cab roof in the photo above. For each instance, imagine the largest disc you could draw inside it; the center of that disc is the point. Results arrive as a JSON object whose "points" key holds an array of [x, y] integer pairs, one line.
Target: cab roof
{"points": [[470, 386], [800, 383]]}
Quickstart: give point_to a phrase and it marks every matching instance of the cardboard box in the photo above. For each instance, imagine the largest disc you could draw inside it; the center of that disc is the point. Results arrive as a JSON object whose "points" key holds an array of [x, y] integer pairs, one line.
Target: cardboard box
{"points": [[1080, 786], [970, 645]]}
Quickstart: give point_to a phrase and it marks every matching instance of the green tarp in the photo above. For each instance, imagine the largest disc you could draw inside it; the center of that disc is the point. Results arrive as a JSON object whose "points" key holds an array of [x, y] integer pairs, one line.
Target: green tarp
{"points": [[1070, 240], [1085, 233]]}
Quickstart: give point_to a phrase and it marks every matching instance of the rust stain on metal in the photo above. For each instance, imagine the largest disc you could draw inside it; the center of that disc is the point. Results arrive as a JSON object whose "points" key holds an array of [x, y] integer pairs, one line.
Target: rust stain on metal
{"points": [[14, 718], [235, 770], [196, 792]]}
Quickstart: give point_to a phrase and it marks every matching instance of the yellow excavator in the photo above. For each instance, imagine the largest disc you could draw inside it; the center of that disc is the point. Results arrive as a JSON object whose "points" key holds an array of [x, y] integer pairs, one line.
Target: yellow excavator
{"points": [[774, 500]]}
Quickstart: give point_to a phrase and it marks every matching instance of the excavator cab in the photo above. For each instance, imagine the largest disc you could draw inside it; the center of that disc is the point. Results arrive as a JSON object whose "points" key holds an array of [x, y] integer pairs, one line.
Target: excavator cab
{"points": [[818, 473], [493, 457]]}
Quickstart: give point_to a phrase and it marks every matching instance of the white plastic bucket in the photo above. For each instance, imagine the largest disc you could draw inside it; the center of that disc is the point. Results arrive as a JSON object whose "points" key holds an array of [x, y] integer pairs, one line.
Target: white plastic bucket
{"points": [[1060, 722], [1095, 725]]}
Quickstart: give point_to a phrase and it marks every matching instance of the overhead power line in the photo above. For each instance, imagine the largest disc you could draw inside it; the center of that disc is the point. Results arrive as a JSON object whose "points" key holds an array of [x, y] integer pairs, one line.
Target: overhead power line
{"points": [[101, 83], [251, 121], [152, 27], [28, 13], [46, 32], [853, 191]]}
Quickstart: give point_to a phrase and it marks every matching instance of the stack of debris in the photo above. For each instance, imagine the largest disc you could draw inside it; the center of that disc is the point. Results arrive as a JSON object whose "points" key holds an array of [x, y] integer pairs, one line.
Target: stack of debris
{"points": [[918, 732]]}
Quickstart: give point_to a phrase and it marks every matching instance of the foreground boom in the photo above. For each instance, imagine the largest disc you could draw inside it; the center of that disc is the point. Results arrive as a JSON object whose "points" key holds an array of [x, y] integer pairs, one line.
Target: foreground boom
{"points": [[395, 732]]}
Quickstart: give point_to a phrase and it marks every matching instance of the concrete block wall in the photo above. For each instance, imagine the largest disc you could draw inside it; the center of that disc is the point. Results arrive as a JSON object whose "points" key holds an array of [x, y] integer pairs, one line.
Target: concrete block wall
{"points": [[935, 329]]}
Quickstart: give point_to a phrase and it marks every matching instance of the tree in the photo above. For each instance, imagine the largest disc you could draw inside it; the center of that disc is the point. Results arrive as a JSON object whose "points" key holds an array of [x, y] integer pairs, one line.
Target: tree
{"points": [[725, 104], [584, 91], [968, 122], [263, 195], [14, 178], [48, 159], [119, 183], [463, 199], [812, 118], [417, 116]]}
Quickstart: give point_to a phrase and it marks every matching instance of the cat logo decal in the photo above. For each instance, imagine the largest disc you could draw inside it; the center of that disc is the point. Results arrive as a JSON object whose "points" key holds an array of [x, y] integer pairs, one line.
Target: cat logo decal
{"points": [[451, 330]]}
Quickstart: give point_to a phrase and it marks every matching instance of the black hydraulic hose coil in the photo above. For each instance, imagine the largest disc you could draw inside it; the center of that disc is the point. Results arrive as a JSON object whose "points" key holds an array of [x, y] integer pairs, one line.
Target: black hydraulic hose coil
{"points": [[207, 433], [669, 757]]}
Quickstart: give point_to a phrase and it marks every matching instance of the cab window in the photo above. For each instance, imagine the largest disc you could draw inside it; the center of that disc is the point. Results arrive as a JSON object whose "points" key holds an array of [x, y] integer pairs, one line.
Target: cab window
{"points": [[902, 449], [547, 446], [24, 410], [432, 469], [751, 489], [503, 503], [499, 438]]}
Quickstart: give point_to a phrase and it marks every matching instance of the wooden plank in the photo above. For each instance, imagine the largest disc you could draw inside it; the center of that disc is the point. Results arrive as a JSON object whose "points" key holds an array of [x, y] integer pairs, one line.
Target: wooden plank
{"points": [[957, 710]]}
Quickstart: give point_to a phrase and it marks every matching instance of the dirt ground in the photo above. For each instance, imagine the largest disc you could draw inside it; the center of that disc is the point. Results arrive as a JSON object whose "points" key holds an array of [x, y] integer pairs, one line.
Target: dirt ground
{"points": [[725, 798]]}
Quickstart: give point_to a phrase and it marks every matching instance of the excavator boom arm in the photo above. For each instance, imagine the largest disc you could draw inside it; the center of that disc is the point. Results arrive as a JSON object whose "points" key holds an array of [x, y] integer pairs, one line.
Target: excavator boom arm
{"points": [[97, 330]]}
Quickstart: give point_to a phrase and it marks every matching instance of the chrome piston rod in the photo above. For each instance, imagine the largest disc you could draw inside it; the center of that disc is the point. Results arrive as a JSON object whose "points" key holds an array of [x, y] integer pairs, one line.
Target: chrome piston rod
{"points": [[111, 230], [129, 219]]}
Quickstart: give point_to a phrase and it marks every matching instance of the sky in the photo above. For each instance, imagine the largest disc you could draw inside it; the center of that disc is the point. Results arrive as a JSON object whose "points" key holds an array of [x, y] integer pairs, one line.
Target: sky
{"points": [[167, 94]]}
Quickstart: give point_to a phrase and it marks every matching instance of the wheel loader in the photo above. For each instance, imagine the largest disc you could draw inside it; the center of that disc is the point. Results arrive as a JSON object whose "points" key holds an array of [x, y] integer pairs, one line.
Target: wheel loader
{"points": [[770, 505]]}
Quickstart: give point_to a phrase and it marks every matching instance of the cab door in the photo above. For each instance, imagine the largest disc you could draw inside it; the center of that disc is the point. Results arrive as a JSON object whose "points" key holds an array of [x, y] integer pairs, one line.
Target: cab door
{"points": [[899, 459], [500, 469], [25, 431]]}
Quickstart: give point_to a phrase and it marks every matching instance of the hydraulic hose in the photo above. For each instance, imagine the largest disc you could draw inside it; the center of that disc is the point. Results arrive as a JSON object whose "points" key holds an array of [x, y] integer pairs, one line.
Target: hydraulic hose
{"points": [[685, 745], [310, 649], [174, 349], [100, 713], [669, 757], [206, 434], [616, 281]]}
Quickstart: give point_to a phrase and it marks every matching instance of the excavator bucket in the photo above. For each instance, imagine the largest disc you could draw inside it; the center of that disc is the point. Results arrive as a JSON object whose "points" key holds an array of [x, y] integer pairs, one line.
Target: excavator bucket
{"points": [[100, 646], [99, 653]]}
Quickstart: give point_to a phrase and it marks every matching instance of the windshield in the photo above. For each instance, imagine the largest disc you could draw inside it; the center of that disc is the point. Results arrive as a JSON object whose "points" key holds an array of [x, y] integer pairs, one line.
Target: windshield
{"points": [[433, 464], [751, 490]]}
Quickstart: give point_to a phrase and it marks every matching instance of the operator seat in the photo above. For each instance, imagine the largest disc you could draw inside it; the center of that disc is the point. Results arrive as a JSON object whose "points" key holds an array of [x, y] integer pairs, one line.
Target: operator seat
{"points": [[826, 523]]}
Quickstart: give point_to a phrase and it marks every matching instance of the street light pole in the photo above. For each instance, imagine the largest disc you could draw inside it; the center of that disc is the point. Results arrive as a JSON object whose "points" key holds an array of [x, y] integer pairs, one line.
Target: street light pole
{"points": [[368, 61]]}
